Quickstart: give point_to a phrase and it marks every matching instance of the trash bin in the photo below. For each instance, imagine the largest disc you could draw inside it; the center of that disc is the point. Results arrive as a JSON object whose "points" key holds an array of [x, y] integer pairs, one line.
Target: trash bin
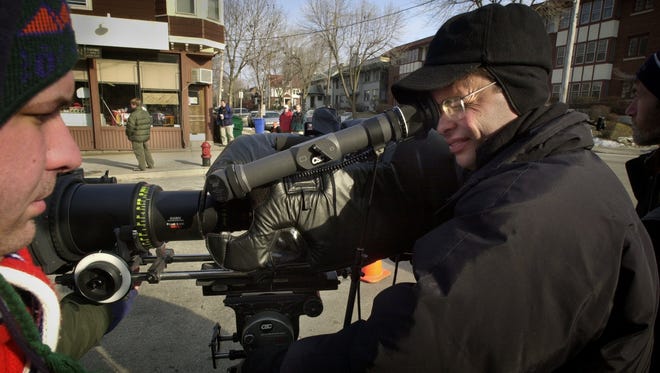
{"points": [[238, 125], [259, 125]]}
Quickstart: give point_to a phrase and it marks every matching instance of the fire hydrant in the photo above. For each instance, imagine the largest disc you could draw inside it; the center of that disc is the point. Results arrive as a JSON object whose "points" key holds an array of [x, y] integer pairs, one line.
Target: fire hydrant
{"points": [[206, 154]]}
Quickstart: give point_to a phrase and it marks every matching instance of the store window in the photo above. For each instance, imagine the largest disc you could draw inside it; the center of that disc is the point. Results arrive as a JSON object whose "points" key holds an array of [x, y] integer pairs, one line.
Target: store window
{"points": [[156, 83], [79, 112]]}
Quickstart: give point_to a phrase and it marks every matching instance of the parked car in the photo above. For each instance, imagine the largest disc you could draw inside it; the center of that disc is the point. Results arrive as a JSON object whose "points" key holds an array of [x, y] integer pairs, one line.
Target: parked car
{"points": [[308, 116], [346, 116], [271, 120], [253, 114], [242, 113]]}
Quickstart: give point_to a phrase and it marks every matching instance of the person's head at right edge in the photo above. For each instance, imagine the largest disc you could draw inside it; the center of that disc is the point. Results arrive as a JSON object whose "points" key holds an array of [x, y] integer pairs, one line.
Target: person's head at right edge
{"points": [[645, 106]]}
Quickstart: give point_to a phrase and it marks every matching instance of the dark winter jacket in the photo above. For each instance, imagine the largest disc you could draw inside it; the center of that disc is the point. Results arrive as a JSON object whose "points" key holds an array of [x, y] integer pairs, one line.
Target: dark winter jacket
{"points": [[225, 114], [644, 176], [544, 266], [138, 127]]}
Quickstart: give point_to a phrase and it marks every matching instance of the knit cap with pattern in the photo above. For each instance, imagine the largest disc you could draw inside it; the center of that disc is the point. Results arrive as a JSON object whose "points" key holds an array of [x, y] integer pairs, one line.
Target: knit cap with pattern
{"points": [[37, 48]]}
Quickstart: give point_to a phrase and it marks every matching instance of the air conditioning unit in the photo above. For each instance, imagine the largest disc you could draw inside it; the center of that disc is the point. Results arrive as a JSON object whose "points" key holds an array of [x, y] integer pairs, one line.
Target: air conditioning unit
{"points": [[204, 76]]}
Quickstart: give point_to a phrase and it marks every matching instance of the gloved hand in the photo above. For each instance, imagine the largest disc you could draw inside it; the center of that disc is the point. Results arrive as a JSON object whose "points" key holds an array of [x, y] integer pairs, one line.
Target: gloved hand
{"points": [[320, 221]]}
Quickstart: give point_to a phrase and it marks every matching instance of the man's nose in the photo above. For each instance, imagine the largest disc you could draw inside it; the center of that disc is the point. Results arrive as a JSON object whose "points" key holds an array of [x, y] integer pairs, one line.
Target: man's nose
{"points": [[444, 125]]}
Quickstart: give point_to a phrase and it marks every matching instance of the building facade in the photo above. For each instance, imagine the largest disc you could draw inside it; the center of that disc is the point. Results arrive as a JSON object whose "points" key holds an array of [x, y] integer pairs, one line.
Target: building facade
{"points": [[159, 51], [612, 39]]}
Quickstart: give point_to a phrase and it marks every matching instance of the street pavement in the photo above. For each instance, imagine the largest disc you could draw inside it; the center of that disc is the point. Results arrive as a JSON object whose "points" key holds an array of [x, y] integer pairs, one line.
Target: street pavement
{"points": [[169, 163]]}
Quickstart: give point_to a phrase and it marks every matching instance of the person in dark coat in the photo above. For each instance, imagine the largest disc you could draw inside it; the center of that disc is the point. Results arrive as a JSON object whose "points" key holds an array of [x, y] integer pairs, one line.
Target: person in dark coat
{"points": [[537, 262], [138, 131], [644, 171], [225, 123]]}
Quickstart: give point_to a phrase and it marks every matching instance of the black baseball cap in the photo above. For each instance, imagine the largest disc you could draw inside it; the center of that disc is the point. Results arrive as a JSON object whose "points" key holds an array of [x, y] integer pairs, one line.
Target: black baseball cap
{"points": [[510, 42]]}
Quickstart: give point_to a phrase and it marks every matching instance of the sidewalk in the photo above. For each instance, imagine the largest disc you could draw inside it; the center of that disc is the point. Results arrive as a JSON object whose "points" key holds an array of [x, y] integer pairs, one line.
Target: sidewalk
{"points": [[169, 163]]}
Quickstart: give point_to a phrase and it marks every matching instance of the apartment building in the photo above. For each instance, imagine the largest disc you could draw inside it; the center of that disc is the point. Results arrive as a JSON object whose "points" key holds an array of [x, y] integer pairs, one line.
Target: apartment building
{"points": [[612, 39], [156, 50]]}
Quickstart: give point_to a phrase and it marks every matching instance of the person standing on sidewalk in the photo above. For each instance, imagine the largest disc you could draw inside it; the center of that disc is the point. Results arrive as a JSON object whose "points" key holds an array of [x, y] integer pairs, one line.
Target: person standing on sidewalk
{"points": [[226, 125], [285, 120], [38, 333], [297, 121], [644, 171], [138, 130]]}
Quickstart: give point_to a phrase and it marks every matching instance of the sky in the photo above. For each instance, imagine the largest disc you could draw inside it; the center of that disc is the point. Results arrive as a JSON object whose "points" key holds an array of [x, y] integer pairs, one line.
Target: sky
{"points": [[416, 24]]}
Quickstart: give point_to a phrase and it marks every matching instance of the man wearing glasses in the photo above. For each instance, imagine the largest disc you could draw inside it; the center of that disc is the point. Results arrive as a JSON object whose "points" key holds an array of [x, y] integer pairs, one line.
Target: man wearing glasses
{"points": [[542, 264]]}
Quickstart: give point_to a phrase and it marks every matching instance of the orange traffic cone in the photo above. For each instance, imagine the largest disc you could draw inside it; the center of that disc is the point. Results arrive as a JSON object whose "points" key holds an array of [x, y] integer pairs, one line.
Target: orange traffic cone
{"points": [[374, 272]]}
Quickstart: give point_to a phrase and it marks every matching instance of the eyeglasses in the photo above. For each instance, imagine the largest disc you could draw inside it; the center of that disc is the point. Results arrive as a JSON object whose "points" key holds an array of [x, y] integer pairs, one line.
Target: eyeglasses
{"points": [[454, 107]]}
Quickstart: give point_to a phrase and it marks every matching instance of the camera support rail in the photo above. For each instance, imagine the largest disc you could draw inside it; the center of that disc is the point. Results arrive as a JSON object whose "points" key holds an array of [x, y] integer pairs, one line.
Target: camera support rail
{"points": [[267, 304]]}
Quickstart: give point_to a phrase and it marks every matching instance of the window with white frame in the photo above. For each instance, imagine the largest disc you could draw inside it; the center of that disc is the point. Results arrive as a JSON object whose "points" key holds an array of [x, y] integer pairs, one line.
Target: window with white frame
{"points": [[601, 50], [585, 89], [642, 5], [637, 45], [578, 57], [213, 10], [80, 4], [556, 89], [596, 89], [590, 54], [596, 10], [185, 6], [608, 9], [564, 19], [574, 92], [585, 12], [561, 55]]}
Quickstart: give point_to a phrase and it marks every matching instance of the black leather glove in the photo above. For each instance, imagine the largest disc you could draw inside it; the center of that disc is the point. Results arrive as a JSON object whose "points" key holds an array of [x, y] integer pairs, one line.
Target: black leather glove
{"points": [[320, 221]]}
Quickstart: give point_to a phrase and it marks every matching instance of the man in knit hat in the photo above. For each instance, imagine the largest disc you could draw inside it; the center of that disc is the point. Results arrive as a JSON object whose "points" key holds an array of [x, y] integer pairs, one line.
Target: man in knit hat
{"points": [[37, 53], [644, 171], [525, 268]]}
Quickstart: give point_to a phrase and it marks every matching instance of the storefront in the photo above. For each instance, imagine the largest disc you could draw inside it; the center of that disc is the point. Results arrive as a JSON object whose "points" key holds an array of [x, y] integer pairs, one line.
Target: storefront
{"points": [[107, 77]]}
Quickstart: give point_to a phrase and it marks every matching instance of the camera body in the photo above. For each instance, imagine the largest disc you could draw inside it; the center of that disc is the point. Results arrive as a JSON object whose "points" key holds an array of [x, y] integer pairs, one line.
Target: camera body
{"points": [[96, 235]]}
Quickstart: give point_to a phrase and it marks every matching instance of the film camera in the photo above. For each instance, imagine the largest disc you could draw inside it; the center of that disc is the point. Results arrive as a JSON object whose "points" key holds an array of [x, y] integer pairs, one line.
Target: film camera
{"points": [[97, 234]]}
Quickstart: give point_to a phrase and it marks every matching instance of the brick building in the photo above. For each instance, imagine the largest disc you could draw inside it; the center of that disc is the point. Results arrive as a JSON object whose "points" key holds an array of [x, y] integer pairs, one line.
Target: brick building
{"points": [[613, 38], [156, 50]]}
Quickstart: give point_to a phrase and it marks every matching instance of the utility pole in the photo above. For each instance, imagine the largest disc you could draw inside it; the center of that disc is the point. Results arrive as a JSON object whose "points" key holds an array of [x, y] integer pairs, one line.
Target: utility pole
{"points": [[222, 72], [572, 35]]}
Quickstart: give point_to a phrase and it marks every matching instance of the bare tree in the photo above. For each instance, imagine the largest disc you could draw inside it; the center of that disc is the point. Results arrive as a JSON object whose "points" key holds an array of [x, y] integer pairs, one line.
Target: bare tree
{"points": [[352, 38], [444, 9], [248, 24], [302, 57]]}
